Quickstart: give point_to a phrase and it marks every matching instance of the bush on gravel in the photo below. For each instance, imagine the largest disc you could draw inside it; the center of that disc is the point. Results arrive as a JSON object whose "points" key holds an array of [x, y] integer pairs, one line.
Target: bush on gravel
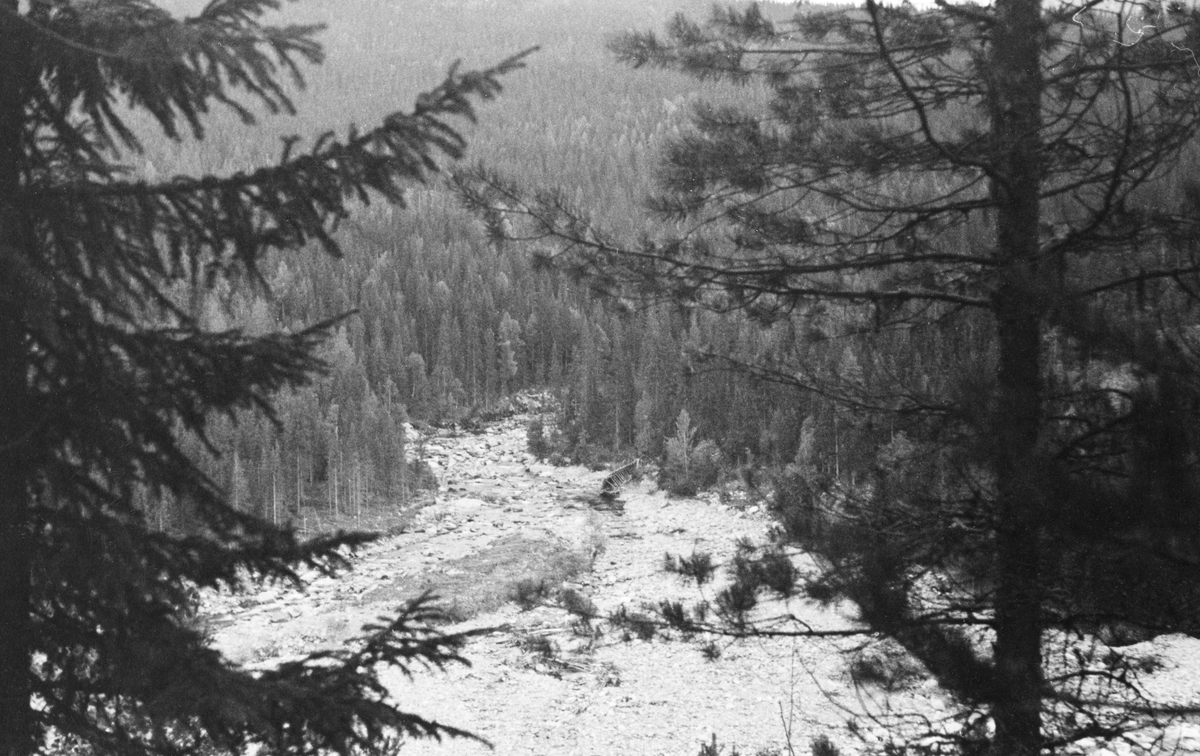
{"points": [[688, 467], [537, 443], [699, 566], [595, 457], [823, 746], [886, 666], [421, 476], [716, 749], [577, 604], [644, 626], [528, 593]]}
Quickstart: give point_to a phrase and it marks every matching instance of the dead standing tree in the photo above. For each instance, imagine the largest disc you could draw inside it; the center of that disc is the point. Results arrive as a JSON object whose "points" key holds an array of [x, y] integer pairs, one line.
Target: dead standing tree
{"points": [[994, 169]]}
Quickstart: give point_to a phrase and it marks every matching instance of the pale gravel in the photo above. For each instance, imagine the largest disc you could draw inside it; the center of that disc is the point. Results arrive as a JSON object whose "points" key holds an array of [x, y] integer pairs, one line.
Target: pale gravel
{"points": [[613, 697]]}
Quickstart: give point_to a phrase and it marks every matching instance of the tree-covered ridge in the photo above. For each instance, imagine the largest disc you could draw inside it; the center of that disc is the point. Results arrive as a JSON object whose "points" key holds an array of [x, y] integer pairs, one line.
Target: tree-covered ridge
{"points": [[601, 146], [446, 323], [444, 327]]}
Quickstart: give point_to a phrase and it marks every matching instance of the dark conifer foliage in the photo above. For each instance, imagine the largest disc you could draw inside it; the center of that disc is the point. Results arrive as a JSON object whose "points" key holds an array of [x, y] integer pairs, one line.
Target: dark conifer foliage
{"points": [[107, 370], [965, 235]]}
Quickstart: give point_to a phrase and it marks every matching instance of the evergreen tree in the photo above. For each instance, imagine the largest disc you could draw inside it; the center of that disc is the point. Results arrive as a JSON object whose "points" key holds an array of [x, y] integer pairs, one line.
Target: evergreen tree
{"points": [[1003, 171], [107, 372], [510, 346]]}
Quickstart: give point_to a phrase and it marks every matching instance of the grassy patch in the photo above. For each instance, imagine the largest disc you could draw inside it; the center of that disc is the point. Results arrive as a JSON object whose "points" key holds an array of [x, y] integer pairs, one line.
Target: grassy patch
{"points": [[389, 520], [486, 580]]}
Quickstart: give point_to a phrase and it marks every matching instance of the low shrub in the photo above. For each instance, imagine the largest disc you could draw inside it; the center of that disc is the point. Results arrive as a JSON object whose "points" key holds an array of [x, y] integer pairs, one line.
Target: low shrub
{"points": [[538, 646], [421, 476], [705, 463], [536, 441], [823, 746], [688, 467], [529, 592], [699, 566], [634, 623], [885, 666], [577, 604], [594, 456], [796, 504]]}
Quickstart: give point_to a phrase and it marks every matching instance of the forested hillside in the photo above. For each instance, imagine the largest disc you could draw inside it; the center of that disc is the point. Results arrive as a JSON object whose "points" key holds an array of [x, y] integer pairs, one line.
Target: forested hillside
{"points": [[447, 323]]}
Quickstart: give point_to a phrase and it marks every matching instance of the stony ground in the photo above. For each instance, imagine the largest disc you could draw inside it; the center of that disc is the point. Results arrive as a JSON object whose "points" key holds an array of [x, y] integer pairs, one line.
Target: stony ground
{"points": [[536, 686]]}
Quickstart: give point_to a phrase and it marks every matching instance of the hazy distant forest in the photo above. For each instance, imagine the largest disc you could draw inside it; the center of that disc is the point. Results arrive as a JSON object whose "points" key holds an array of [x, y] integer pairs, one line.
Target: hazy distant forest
{"points": [[449, 323]]}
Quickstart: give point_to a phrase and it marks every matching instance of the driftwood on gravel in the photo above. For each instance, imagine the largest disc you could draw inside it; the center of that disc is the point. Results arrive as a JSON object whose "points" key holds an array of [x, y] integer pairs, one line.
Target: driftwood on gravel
{"points": [[619, 478]]}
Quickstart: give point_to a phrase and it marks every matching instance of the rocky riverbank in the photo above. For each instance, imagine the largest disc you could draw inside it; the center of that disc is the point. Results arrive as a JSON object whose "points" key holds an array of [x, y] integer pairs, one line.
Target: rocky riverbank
{"points": [[538, 686]]}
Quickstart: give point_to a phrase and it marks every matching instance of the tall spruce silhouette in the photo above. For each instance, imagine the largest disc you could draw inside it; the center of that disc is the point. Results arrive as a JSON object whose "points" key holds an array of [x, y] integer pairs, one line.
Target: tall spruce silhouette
{"points": [[103, 370], [980, 208]]}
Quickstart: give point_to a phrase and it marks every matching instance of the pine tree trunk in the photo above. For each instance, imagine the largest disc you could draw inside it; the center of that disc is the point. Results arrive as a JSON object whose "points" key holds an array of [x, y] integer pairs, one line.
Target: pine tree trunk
{"points": [[1018, 595], [1018, 305], [15, 631], [16, 734]]}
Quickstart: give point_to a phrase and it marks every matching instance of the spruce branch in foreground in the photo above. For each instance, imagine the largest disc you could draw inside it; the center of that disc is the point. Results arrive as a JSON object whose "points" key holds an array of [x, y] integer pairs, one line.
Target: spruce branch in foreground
{"points": [[107, 371]]}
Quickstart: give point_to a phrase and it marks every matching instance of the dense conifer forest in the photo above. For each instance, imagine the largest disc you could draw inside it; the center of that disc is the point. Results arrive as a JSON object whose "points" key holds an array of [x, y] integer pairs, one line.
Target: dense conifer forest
{"points": [[448, 323]]}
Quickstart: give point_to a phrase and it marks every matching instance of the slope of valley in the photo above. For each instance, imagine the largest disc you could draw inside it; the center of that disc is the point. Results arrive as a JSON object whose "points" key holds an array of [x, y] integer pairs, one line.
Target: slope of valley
{"points": [[536, 685]]}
